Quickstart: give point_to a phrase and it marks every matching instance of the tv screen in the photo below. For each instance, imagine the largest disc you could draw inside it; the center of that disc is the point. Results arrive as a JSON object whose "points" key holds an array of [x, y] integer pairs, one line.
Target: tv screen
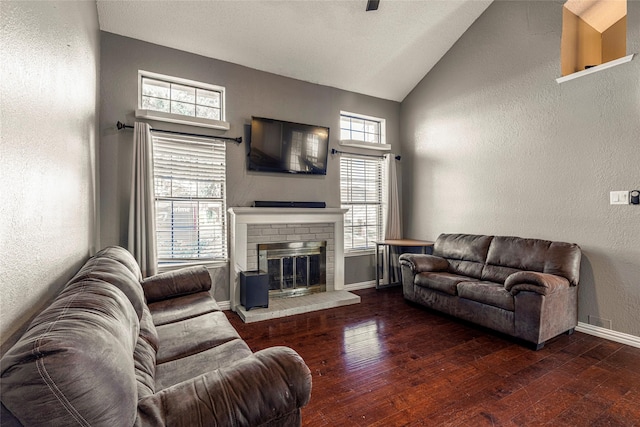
{"points": [[279, 146]]}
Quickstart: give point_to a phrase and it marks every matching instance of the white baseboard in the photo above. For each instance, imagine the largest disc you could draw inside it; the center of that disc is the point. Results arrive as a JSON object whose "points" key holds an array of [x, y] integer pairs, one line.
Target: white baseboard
{"points": [[224, 305], [360, 285], [608, 334]]}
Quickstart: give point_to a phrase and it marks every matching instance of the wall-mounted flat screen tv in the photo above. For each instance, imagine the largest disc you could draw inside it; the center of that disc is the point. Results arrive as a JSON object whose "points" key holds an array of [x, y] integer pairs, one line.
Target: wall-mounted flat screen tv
{"points": [[286, 147]]}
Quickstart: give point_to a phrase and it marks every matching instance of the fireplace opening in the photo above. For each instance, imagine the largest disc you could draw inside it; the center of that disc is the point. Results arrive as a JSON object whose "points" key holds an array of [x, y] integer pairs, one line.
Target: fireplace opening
{"points": [[294, 268]]}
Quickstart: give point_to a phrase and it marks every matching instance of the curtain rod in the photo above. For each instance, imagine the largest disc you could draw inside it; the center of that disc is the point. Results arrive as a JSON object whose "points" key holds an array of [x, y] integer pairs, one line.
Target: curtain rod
{"points": [[237, 140], [334, 151]]}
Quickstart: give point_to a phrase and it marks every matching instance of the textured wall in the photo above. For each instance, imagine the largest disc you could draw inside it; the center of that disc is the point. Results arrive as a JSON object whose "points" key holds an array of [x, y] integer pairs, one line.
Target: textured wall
{"points": [[49, 100], [493, 145], [248, 93]]}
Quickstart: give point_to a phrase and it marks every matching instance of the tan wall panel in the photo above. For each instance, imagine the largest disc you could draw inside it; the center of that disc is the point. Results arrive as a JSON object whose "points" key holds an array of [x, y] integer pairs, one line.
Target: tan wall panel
{"points": [[569, 42], [614, 41], [590, 46]]}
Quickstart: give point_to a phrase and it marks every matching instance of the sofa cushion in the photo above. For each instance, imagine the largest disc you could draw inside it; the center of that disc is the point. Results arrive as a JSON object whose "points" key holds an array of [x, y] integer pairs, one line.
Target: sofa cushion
{"points": [[496, 273], [467, 247], [176, 283], [148, 330], [177, 371], [466, 268], [443, 282], [518, 253], [181, 308], [144, 359], [74, 364], [487, 293], [144, 355], [112, 266], [123, 256], [194, 335]]}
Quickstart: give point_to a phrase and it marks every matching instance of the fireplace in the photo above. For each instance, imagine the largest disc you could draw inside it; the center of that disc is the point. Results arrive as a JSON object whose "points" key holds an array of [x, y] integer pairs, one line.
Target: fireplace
{"points": [[249, 227], [294, 268]]}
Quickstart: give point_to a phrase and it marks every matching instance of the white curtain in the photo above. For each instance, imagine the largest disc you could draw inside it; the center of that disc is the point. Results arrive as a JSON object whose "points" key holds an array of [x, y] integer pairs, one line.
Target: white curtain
{"points": [[142, 217], [393, 223], [393, 217]]}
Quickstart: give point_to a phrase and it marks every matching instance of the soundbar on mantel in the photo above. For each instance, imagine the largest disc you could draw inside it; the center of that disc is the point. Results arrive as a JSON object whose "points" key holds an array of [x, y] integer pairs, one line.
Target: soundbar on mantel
{"points": [[279, 204]]}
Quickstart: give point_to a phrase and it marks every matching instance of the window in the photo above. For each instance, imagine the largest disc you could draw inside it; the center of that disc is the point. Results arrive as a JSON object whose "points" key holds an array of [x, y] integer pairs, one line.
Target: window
{"points": [[178, 100], [361, 193], [358, 128], [189, 179]]}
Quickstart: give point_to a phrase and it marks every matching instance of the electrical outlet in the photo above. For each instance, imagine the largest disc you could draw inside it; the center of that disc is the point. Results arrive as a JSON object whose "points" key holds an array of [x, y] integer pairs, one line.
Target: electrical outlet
{"points": [[619, 197]]}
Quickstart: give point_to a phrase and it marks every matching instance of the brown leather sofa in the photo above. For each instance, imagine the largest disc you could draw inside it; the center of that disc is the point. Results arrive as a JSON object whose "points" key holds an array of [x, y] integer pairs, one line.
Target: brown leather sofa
{"points": [[115, 350], [526, 288]]}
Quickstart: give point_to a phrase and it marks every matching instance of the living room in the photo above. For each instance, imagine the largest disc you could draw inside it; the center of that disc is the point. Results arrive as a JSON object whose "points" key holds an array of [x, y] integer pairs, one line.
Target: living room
{"points": [[490, 144]]}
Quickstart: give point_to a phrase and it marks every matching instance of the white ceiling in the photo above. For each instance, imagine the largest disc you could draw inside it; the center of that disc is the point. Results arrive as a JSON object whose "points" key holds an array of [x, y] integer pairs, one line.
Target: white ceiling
{"points": [[383, 53]]}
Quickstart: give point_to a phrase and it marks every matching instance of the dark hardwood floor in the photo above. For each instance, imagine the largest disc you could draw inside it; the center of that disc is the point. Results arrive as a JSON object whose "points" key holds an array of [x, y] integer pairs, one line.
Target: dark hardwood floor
{"points": [[386, 362]]}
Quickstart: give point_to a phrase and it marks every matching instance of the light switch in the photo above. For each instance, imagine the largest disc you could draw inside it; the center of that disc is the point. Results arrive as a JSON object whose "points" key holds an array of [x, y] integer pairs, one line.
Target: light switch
{"points": [[619, 197]]}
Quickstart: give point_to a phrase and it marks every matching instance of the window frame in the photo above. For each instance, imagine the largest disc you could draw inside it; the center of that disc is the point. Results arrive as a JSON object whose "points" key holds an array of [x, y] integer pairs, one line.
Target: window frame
{"points": [[180, 118], [218, 177]]}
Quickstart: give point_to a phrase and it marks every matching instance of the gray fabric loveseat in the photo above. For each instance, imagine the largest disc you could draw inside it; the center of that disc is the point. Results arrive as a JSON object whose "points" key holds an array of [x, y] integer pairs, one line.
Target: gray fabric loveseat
{"points": [[526, 288], [115, 350]]}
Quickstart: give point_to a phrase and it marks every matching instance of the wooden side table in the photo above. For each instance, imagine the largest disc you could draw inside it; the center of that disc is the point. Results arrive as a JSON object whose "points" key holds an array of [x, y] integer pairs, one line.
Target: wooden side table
{"points": [[424, 244]]}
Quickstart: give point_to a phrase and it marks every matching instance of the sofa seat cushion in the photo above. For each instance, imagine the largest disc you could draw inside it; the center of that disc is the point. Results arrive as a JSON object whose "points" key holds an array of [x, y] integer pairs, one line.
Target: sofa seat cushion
{"points": [[490, 293], [182, 308], [443, 282], [194, 335], [179, 370]]}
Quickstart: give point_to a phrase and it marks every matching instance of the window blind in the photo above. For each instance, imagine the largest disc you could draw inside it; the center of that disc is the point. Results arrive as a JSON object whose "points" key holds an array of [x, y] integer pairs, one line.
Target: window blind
{"points": [[361, 193], [189, 180]]}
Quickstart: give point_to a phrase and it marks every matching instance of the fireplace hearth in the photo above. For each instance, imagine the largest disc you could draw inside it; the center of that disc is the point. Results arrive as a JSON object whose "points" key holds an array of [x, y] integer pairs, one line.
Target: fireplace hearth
{"points": [[294, 268]]}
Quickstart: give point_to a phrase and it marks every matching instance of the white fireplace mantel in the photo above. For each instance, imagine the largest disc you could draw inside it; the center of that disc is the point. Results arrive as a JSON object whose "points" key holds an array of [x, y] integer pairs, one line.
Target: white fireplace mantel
{"points": [[241, 217]]}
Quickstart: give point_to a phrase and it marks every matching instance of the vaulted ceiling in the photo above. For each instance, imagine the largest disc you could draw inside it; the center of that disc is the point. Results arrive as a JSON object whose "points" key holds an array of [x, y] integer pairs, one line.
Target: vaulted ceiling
{"points": [[383, 53]]}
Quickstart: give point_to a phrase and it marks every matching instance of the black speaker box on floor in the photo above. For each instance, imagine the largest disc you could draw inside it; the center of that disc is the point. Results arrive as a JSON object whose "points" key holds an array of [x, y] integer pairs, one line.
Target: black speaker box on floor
{"points": [[254, 289]]}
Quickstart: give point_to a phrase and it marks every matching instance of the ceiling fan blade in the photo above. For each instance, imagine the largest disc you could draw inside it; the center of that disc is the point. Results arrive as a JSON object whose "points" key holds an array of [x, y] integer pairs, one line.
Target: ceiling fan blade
{"points": [[372, 5]]}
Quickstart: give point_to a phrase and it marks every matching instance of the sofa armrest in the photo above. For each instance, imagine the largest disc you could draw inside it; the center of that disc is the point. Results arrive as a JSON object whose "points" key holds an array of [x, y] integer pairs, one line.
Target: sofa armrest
{"points": [[541, 283], [421, 262], [184, 281], [266, 386]]}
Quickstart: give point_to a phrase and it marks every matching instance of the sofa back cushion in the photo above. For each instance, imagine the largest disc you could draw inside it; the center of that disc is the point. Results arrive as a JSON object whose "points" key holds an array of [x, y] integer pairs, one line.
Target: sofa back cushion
{"points": [[116, 266], [74, 365], [466, 252], [509, 254]]}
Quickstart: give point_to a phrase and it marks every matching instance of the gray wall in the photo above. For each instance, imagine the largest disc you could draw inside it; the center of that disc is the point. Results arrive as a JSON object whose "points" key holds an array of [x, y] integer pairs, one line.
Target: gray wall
{"points": [[248, 92], [493, 145], [50, 64]]}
